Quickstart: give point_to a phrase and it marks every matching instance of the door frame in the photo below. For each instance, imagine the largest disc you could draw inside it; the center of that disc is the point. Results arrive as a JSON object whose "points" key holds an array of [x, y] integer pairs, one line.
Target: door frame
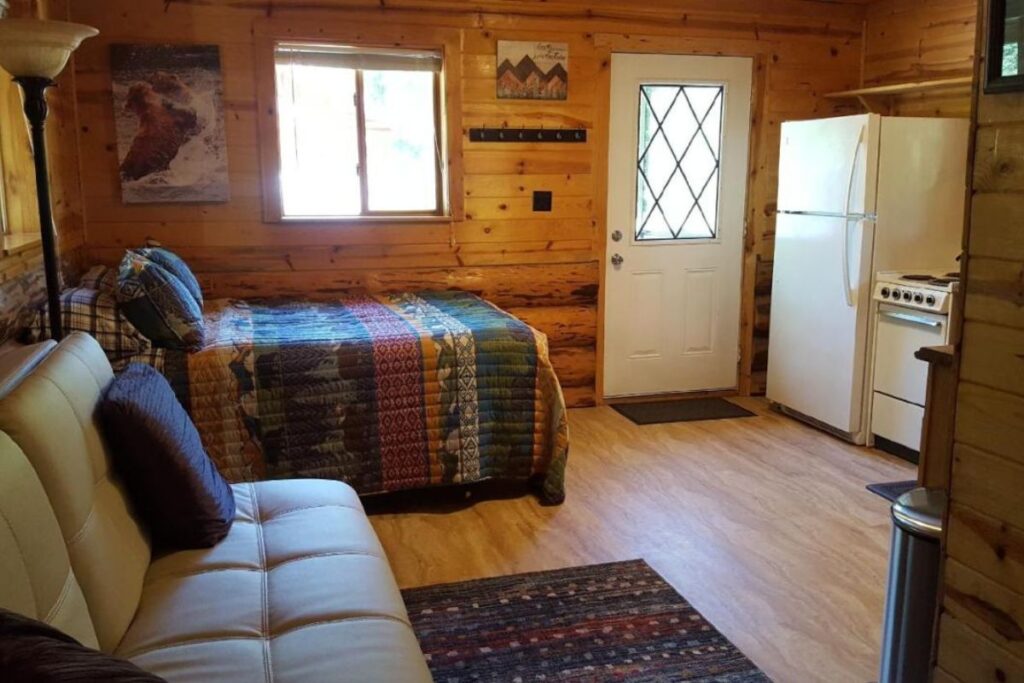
{"points": [[609, 43]]}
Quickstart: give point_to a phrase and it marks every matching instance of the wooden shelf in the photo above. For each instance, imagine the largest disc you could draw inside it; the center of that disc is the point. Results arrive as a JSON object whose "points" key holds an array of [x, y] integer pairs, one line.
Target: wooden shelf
{"points": [[878, 99], [903, 88]]}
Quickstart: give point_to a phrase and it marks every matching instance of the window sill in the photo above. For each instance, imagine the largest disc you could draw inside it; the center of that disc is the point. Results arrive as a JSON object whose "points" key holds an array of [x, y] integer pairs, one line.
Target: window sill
{"points": [[363, 220], [19, 242]]}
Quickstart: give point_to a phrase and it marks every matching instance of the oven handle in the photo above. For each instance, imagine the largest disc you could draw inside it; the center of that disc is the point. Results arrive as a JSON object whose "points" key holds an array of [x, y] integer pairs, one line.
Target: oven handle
{"points": [[913, 319]]}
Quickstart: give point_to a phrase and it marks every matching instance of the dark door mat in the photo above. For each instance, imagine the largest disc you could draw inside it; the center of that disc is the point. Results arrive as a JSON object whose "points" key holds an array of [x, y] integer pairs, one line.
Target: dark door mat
{"points": [[891, 490], [683, 410]]}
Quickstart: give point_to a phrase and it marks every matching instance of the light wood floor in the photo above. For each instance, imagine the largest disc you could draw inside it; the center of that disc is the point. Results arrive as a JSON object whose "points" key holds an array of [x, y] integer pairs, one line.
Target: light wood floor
{"points": [[763, 524]]}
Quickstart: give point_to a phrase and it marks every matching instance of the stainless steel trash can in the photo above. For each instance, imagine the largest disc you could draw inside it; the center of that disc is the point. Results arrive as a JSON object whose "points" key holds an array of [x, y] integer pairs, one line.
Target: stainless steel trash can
{"points": [[913, 583]]}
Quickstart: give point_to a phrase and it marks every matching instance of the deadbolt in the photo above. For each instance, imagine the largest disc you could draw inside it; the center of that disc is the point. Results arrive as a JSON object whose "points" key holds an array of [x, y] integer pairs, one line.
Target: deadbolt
{"points": [[617, 236], [617, 260]]}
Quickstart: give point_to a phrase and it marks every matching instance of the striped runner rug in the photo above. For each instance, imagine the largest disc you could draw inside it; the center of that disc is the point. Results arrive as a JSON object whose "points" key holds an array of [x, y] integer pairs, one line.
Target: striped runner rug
{"points": [[608, 622]]}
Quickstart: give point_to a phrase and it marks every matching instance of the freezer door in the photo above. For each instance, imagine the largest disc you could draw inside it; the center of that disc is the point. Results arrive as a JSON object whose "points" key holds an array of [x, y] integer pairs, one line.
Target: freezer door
{"points": [[829, 166], [819, 318]]}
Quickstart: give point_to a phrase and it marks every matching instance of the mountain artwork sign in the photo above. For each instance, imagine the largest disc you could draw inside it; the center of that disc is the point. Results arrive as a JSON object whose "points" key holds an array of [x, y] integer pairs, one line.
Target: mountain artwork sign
{"points": [[532, 71]]}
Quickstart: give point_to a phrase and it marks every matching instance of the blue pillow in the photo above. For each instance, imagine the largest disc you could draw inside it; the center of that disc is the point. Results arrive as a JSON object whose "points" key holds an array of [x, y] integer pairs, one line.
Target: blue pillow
{"points": [[174, 264], [173, 484], [158, 304]]}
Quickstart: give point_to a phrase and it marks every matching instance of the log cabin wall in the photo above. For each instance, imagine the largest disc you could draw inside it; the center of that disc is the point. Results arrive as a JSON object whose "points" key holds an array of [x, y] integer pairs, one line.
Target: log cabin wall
{"points": [[545, 268], [22, 287], [921, 40], [981, 626]]}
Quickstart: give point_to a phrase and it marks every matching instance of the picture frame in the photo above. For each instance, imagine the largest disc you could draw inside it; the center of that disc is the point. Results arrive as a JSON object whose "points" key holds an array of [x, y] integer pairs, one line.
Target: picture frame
{"points": [[532, 70], [1004, 41], [169, 121]]}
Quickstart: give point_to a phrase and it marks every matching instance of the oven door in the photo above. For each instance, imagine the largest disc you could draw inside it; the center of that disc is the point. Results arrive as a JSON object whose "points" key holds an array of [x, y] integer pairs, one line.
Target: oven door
{"points": [[899, 334]]}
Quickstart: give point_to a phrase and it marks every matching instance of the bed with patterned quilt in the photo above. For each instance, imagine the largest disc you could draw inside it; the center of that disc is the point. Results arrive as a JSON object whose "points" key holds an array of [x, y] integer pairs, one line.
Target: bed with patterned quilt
{"points": [[385, 392]]}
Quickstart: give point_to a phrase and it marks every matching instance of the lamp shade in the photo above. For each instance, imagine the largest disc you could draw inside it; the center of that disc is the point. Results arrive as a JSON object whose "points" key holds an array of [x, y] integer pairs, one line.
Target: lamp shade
{"points": [[39, 48]]}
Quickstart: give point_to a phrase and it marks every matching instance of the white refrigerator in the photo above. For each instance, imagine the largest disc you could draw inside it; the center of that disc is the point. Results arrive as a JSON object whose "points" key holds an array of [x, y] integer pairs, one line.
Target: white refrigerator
{"points": [[857, 195]]}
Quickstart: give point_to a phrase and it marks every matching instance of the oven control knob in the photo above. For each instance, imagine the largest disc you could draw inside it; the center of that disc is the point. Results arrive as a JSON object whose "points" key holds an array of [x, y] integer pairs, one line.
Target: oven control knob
{"points": [[885, 292], [918, 298], [907, 296], [895, 294], [930, 300]]}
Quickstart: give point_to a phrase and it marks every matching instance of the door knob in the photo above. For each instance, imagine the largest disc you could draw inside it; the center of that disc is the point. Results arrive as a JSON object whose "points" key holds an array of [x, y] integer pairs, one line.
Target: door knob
{"points": [[617, 260], [617, 236]]}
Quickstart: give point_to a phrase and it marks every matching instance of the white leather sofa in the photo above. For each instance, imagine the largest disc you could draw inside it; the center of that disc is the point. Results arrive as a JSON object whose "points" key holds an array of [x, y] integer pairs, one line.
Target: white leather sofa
{"points": [[300, 590]]}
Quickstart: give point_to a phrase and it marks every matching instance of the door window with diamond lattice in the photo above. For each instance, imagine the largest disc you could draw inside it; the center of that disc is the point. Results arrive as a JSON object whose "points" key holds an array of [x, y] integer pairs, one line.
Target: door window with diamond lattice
{"points": [[678, 159]]}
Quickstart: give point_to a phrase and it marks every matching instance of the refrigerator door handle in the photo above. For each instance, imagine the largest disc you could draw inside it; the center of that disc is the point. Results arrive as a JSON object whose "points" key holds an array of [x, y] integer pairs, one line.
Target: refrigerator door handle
{"points": [[847, 287], [853, 171]]}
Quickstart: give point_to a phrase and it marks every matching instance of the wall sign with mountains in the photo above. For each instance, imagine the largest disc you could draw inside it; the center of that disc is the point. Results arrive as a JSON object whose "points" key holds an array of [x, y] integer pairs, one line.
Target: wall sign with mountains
{"points": [[532, 71]]}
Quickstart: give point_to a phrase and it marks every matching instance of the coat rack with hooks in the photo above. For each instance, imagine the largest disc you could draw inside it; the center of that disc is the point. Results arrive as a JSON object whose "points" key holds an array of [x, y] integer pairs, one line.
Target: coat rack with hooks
{"points": [[528, 135]]}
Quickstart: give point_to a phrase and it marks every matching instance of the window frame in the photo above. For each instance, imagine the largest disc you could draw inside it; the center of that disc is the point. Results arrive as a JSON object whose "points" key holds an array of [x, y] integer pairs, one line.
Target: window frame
{"points": [[682, 241], [269, 33]]}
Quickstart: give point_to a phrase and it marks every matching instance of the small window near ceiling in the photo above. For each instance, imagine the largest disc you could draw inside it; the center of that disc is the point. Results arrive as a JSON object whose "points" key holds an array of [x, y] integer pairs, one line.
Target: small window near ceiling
{"points": [[360, 131]]}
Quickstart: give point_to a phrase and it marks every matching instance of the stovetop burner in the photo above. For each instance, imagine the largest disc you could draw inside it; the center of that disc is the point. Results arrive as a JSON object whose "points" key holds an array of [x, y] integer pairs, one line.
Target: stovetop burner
{"points": [[930, 279]]}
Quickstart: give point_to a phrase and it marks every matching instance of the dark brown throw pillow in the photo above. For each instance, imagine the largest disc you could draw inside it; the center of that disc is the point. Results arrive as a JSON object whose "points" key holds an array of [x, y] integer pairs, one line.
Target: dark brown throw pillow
{"points": [[174, 486], [33, 652]]}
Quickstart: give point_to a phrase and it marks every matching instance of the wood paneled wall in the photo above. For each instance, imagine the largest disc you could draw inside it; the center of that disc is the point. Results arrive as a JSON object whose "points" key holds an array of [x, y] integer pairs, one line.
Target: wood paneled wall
{"points": [[545, 267], [21, 267], [921, 40], [981, 632]]}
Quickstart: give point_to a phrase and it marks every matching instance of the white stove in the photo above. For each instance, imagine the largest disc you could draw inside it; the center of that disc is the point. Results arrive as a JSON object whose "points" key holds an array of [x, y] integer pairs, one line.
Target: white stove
{"points": [[919, 291], [912, 311]]}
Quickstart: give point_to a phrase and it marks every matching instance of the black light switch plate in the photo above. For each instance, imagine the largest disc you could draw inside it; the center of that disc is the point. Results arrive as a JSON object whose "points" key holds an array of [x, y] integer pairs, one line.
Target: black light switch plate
{"points": [[542, 200]]}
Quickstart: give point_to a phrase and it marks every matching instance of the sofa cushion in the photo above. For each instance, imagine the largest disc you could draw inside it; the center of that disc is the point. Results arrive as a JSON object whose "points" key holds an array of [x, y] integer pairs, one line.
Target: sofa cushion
{"points": [[159, 304], [36, 578], [176, 266], [299, 590], [52, 417], [174, 486], [34, 652]]}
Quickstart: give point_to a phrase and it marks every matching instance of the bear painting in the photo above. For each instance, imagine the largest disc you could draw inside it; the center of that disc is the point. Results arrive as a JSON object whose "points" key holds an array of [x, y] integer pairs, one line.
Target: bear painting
{"points": [[168, 108]]}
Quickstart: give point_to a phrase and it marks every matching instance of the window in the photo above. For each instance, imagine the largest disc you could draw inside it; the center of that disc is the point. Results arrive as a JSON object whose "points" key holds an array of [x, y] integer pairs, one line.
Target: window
{"points": [[678, 157], [360, 131]]}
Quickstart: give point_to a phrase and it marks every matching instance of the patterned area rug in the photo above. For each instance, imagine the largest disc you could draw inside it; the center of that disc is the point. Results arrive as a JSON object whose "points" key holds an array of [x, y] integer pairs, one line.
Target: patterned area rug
{"points": [[606, 622]]}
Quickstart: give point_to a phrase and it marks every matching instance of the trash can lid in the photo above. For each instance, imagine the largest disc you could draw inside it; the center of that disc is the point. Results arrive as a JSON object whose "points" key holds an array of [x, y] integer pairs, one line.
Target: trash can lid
{"points": [[920, 511]]}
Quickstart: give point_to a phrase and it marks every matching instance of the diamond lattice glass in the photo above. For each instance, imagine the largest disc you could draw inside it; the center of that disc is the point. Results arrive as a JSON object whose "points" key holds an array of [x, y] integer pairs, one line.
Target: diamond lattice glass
{"points": [[678, 159]]}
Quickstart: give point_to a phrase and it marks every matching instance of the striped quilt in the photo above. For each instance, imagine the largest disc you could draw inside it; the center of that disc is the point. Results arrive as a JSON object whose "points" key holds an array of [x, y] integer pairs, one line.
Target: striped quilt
{"points": [[385, 392]]}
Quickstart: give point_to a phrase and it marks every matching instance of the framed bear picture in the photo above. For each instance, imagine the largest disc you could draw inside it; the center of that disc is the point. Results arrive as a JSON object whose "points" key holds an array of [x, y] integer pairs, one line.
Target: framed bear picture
{"points": [[169, 115]]}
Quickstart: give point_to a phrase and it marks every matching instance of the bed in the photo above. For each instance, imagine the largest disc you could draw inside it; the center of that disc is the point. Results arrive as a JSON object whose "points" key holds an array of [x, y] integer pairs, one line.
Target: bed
{"points": [[385, 392]]}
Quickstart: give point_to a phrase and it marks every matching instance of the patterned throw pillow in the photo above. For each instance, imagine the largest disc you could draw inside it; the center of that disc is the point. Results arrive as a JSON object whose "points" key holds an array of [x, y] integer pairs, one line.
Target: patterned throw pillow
{"points": [[95, 313], [102, 278], [159, 304], [173, 263]]}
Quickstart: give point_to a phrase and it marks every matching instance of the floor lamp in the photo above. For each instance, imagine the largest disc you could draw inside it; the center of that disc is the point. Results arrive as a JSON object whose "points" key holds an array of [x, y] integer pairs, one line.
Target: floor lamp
{"points": [[35, 51]]}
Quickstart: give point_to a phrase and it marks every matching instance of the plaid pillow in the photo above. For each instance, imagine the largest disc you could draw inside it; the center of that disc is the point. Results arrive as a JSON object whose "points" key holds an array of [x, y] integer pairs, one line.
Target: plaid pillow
{"points": [[101, 278], [96, 313]]}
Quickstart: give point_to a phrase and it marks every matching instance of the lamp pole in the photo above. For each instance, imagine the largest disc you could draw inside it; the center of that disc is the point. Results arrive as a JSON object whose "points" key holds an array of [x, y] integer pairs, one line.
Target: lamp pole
{"points": [[36, 109]]}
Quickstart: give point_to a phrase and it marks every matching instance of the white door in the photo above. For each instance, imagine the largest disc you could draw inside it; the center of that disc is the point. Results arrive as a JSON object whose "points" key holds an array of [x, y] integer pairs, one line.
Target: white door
{"points": [[677, 180]]}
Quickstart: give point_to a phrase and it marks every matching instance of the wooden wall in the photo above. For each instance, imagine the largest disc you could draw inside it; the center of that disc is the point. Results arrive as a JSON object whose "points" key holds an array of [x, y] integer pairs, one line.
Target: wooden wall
{"points": [[545, 268], [921, 40], [981, 632], [21, 274]]}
